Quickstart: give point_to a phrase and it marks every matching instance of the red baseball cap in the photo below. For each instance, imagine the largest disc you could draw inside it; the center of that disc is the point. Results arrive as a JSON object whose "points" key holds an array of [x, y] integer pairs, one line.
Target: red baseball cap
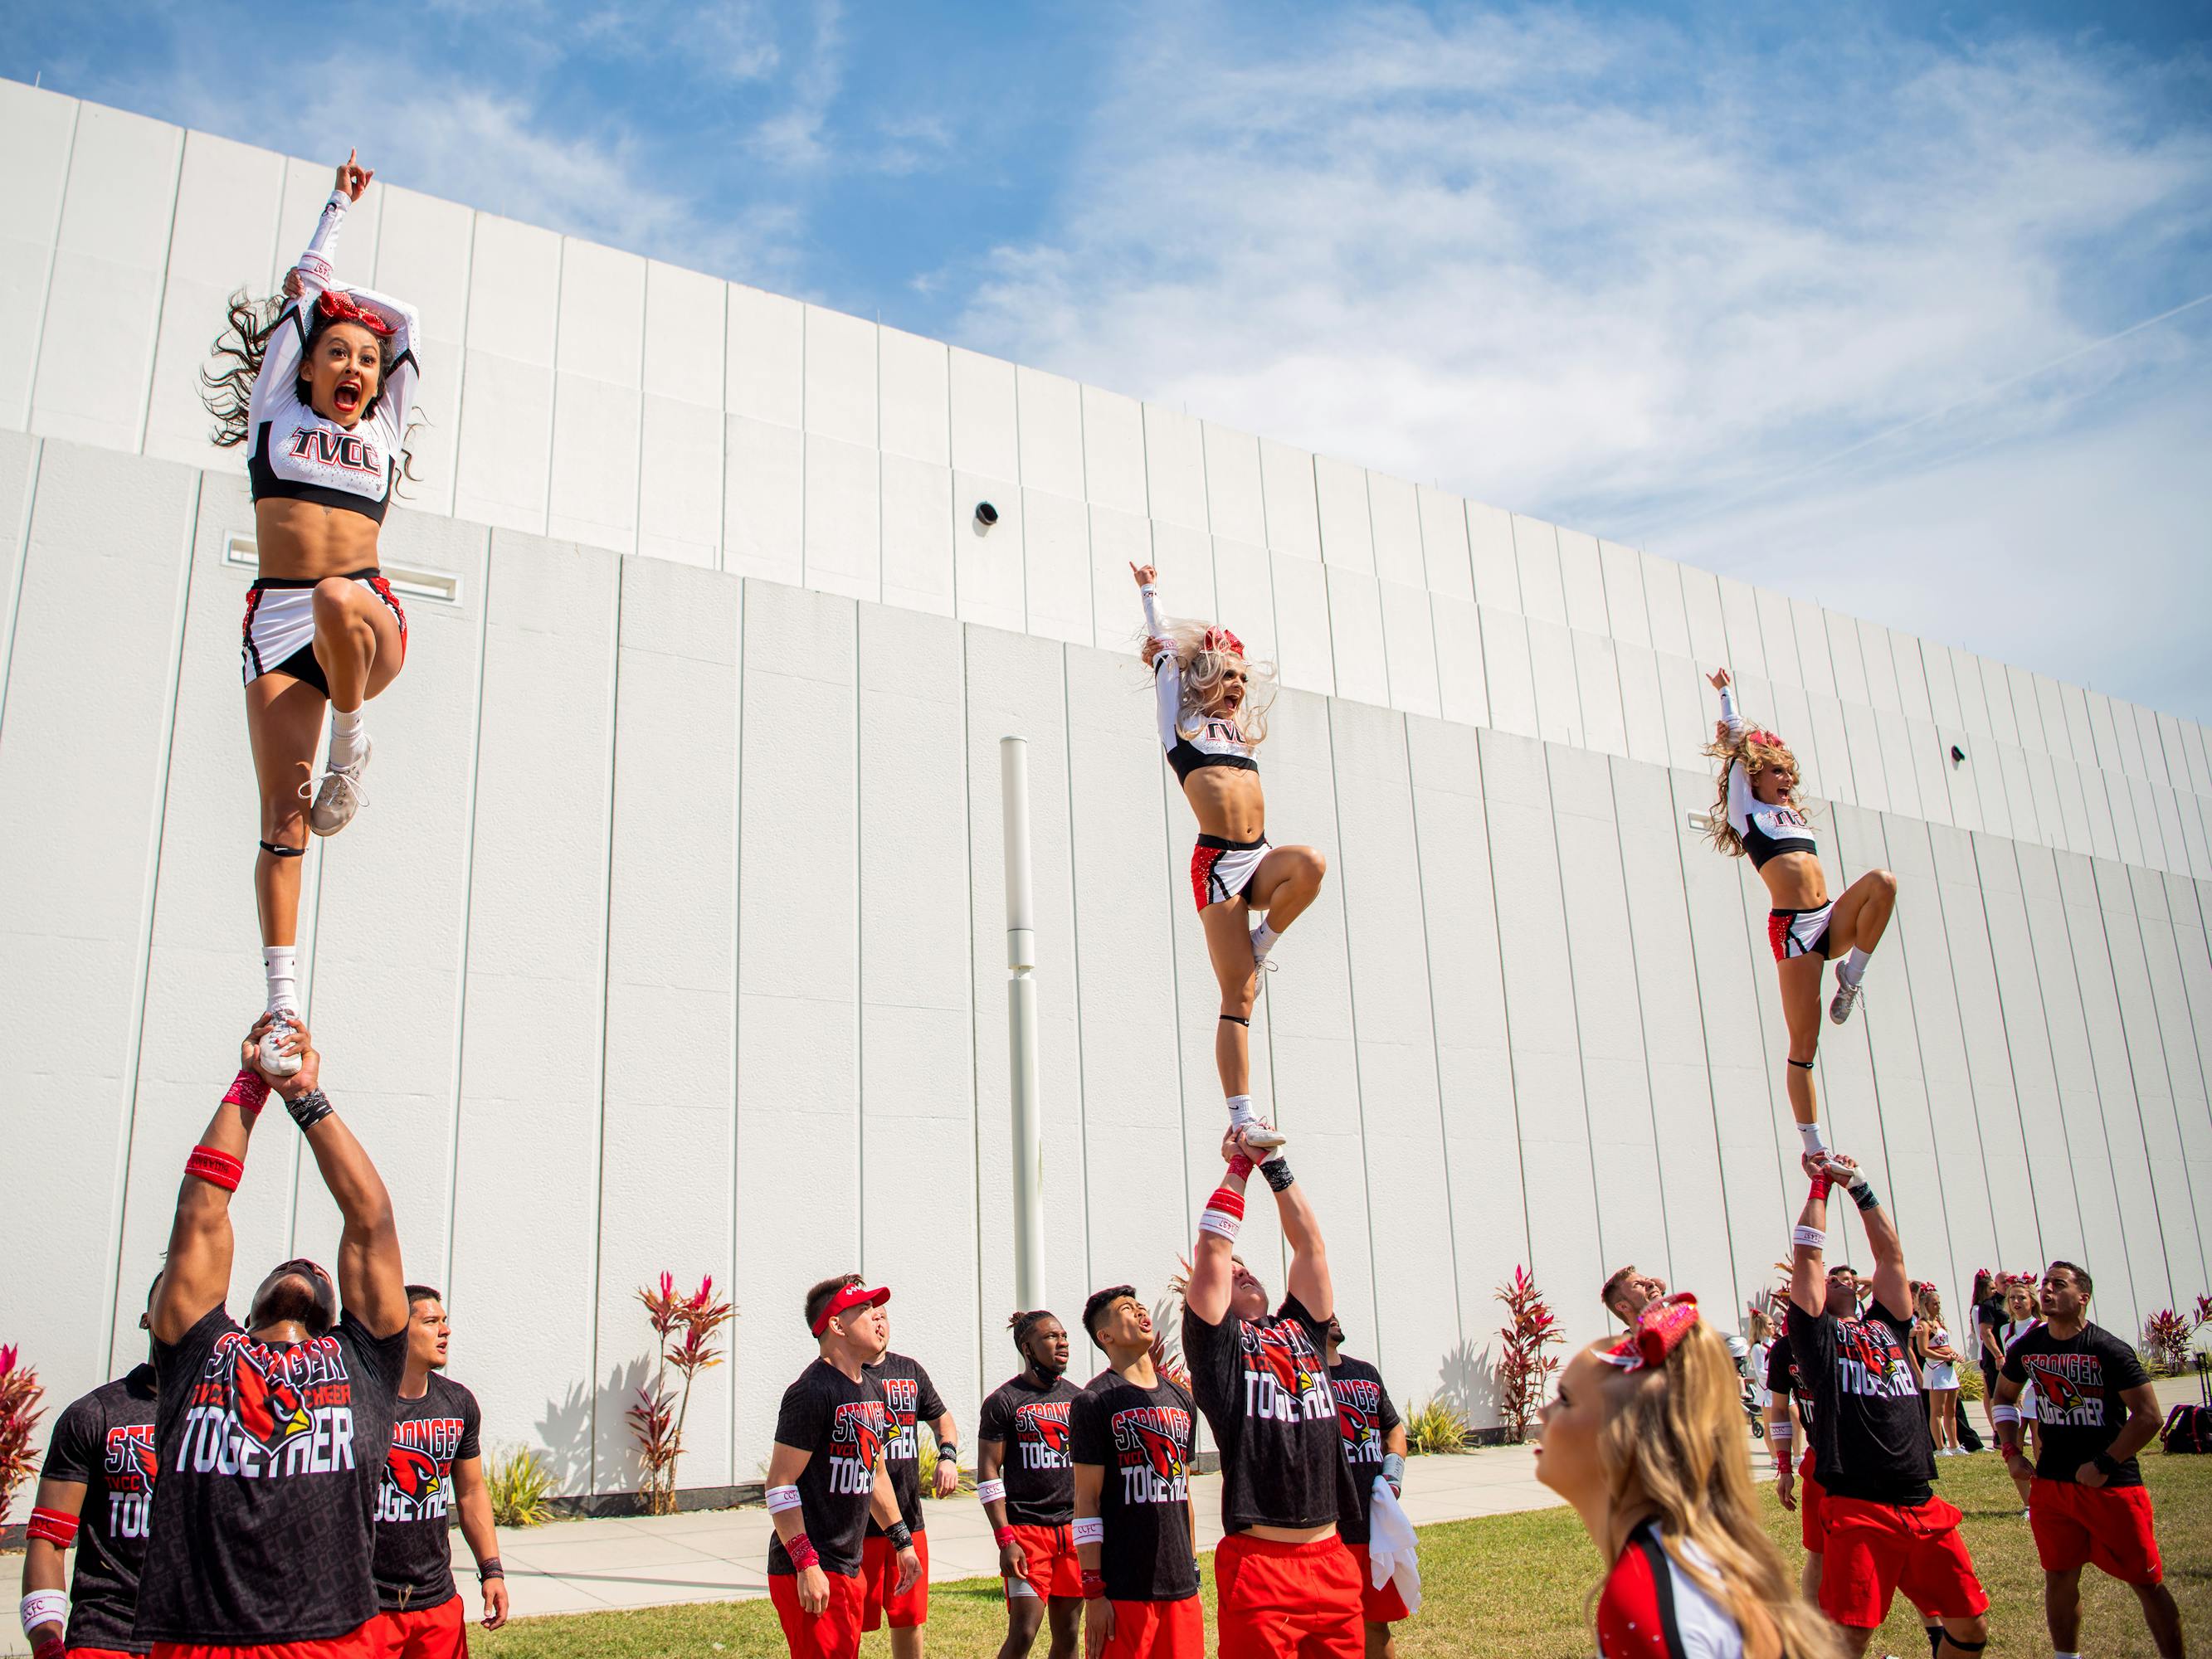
{"points": [[853, 1295]]}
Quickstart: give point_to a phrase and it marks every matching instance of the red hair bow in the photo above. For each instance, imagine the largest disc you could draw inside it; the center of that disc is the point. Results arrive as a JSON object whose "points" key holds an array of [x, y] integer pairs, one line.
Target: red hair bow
{"points": [[1659, 1331], [1219, 639], [1762, 735], [338, 307]]}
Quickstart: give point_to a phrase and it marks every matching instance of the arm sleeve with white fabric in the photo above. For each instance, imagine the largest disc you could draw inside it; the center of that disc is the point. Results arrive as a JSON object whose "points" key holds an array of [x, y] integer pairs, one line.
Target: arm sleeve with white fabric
{"points": [[287, 341], [1740, 800], [1167, 670], [1730, 718]]}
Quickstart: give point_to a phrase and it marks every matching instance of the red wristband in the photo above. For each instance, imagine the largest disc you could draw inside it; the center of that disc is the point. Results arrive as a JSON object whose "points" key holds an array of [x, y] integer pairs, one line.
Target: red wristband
{"points": [[216, 1167], [801, 1553], [1228, 1202], [248, 1091], [1002, 1537], [1242, 1165], [57, 1528], [49, 1647], [1821, 1187], [1094, 1586]]}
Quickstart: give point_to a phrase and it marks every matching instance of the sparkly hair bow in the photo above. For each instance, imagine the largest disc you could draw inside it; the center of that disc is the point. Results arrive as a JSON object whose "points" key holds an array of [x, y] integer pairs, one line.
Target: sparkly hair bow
{"points": [[1760, 734], [1659, 1331], [337, 307], [1219, 639]]}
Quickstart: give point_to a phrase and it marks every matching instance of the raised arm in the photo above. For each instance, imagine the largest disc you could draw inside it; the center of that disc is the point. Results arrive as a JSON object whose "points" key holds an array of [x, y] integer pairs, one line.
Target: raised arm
{"points": [[1740, 800], [1159, 652], [196, 1274], [305, 282], [1212, 1259], [372, 1283], [1893, 1286], [1808, 1248], [1309, 1277]]}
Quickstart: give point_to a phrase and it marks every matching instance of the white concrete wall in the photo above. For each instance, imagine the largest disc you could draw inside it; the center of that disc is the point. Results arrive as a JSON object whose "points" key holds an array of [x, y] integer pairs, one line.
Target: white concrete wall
{"points": [[671, 940], [672, 937]]}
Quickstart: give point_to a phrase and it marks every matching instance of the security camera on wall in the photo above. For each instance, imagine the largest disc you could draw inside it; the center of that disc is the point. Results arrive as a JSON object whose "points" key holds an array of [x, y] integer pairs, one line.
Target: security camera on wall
{"points": [[985, 516]]}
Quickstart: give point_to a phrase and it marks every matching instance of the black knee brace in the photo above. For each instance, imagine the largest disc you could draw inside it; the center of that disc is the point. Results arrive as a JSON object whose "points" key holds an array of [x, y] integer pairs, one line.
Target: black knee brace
{"points": [[1963, 1647], [1237, 1019], [271, 848], [1802, 1065]]}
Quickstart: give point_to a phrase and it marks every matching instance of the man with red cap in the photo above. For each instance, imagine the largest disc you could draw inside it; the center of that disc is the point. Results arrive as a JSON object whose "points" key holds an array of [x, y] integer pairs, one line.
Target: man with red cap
{"points": [[827, 1476], [270, 1436]]}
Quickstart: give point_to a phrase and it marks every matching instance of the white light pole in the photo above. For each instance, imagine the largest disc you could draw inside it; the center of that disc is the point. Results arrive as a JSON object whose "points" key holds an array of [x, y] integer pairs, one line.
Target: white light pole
{"points": [[1021, 1027]]}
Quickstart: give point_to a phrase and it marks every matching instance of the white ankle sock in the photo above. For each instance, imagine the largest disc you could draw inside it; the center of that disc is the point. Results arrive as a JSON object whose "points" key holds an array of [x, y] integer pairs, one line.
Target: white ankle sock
{"points": [[345, 736], [1811, 1134], [1263, 940], [1240, 1109], [1854, 967], [281, 963]]}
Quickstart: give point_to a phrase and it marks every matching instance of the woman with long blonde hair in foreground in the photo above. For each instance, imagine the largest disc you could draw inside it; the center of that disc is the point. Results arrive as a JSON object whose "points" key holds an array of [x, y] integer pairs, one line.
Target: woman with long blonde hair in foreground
{"points": [[1645, 1439]]}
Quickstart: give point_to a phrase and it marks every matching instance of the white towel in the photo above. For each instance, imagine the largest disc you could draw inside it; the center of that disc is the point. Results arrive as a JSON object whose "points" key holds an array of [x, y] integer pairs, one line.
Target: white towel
{"points": [[1392, 1551]]}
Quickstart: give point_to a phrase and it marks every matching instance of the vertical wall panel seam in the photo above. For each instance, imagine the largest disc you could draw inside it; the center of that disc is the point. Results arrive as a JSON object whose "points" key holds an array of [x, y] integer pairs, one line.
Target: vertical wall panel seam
{"points": [[736, 974], [1328, 596], [15, 588], [1636, 981], [644, 338], [1705, 1041], [468, 911], [1880, 1124], [860, 970], [1352, 1016], [2004, 1025], [1075, 955], [722, 484], [553, 412], [1175, 986], [46, 279], [974, 1009], [135, 1038], [2158, 1027], [1435, 1047], [161, 304], [1958, 1013], [460, 425], [1504, 1005], [606, 974], [2134, 1090], [1574, 992]]}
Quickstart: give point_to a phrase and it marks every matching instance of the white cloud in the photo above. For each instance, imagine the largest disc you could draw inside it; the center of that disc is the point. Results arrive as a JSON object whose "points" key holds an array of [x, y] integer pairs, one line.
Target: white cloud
{"points": [[1607, 272]]}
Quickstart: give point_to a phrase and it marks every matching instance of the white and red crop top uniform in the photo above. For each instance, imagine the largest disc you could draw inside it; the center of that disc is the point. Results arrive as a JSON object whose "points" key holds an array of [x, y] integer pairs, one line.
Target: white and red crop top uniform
{"points": [[1213, 741], [1766, 831], [298, 452], [1650, 1608]]}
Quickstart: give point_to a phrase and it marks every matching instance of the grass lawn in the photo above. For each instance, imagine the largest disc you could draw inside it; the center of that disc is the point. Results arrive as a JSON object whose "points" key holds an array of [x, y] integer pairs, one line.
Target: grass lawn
{"points": [[1515, 1584]]}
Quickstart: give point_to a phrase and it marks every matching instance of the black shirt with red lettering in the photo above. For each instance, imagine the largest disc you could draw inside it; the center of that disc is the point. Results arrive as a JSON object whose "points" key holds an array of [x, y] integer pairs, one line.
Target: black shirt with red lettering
{"points": [[909, 1397], [1141, 1438], [1032, 1423], [2078, 1380], [1784, 1377], [1869, 1435], [1364, 1416], [270, 1456], [105, 1442], [414, 1562], [1266, 1394], [843, 1423]]}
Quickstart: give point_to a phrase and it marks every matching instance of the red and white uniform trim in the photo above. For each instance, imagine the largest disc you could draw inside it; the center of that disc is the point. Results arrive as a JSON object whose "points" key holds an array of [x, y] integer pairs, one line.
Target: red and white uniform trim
{"points": [[1652, 1609]]}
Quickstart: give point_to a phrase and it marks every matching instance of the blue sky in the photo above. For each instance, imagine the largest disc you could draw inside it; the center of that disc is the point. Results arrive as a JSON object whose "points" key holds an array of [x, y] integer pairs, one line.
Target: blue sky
{"points": [[1824, 297]]}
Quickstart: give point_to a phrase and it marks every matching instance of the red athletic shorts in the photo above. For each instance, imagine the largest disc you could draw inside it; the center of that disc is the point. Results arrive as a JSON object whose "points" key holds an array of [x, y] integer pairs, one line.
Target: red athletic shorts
{"points": [[1812, 1530], [1876, 1550], [1287, 1601], [2107, 1528], [360, 1644], [438, 1633], [879, 1582], [1157, 1630], [97, 1653], [832, 1633], [1377, 1607], [1048, 1562]]}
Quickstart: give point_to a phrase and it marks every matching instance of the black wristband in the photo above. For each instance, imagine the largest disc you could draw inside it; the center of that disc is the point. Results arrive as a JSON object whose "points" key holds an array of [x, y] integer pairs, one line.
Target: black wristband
{"points": [[309, 1110], [950, 1448], [490, 1570], [1863, 1195], [900, 1535], [1277, 1171], [2107, 1465]]}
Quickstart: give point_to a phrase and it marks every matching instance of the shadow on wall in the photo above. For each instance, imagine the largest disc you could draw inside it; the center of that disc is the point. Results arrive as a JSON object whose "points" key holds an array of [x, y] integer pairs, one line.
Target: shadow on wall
{"points": [[566, 1431], [1467, 1382]]}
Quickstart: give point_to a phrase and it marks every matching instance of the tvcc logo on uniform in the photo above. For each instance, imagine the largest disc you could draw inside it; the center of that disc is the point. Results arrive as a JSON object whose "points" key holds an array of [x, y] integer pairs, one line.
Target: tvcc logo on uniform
{"points": [[320, 446]]}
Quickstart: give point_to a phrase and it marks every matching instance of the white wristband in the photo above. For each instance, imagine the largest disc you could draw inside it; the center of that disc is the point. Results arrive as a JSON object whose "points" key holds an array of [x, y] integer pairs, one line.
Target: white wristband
{"points": [[781, 1498], [1220, 1222], [991, 1492], [1813, 1237], [1780, 1433], [2004, 1413], [44, 1607], [1090, 1530]]}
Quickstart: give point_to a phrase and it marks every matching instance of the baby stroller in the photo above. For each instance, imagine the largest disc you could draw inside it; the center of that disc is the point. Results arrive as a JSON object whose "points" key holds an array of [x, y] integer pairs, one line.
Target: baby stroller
{"points": [[1748, 1386]]}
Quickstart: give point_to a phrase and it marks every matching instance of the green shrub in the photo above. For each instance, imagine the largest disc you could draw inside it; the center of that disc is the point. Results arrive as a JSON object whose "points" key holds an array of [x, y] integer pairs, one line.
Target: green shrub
{"points": [[1435, 1427], [520, 1483]]}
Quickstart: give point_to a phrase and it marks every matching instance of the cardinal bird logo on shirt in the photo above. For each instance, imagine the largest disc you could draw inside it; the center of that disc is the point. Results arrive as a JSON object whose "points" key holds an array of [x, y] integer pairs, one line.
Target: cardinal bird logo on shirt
{"points": [[1358, 1427], [1283, 1359], [2059, 1391], [1047, 1425], [1161, 1452], [268, 1407], [413, 1475], [859, 1425]]}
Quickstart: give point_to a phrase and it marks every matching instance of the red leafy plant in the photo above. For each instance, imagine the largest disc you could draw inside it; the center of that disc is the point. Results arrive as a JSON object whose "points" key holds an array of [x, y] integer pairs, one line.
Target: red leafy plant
{"points": [[20, 1394], [684, 1328], [1524, 1370], [2202, 1314], [2167, 1333]]}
